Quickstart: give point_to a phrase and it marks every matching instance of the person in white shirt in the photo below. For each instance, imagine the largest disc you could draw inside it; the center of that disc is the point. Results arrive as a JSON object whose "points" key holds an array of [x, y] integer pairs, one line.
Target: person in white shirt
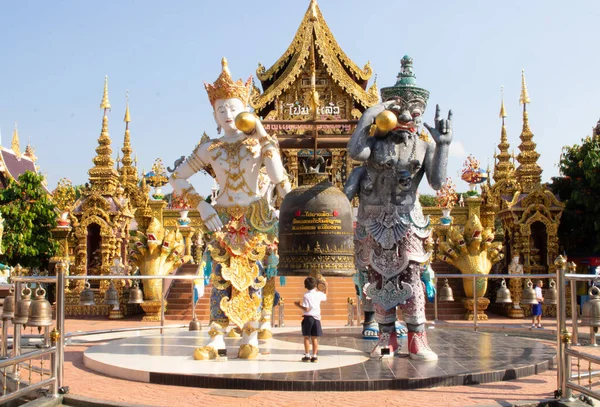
{"points": [[536, 309], [311, 322]]}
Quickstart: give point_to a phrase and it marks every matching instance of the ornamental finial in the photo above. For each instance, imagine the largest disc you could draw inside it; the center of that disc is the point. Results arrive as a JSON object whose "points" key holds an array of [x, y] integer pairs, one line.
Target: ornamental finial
{"points": [[105, 104], [524, 99], [127, 118], [502, 109], [225, 66]]}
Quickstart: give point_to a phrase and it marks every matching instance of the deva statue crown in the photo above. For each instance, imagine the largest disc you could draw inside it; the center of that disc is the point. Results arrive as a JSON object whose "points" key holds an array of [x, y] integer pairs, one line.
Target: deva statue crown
{"points": [[225, 88], [406, 86]]}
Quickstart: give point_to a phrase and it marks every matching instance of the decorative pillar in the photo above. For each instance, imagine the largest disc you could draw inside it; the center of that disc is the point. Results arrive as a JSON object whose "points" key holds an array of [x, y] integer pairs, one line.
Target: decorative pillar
{"points": [[187, 233]]}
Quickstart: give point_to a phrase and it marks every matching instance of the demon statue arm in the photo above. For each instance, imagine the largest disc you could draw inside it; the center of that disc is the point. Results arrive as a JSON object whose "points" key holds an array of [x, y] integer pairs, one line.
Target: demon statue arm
{"points": [[436, 157]]}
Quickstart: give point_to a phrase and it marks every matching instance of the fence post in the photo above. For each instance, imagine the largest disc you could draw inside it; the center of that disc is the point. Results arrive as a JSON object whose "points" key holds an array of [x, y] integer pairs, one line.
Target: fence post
{"points": [[475, 304], [560, 264], [435, 302], [61, 270], [574, 314], [162, 305], [567, 393], [17, 333], [281, 313], [54, 336]]}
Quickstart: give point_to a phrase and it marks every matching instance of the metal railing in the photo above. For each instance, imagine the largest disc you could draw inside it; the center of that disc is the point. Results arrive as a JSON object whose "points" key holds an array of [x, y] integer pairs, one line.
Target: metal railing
{"points": [[476, 324], [566, 379], [11, 367]]}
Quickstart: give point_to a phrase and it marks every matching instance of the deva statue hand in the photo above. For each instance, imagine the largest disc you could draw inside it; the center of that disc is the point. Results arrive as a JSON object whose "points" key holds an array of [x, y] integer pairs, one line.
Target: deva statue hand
{"points": [[442, 132], [209, 216]]}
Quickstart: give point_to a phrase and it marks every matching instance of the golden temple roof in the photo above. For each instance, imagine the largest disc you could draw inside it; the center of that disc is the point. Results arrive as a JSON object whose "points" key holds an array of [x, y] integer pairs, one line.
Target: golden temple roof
{"points": [[314, 33], [529, 173]]}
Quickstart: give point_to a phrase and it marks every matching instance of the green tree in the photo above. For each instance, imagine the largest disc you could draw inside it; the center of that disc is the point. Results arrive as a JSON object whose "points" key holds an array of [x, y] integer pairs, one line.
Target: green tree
{"points": [[29, 216], [578, 186], [427, 200]]}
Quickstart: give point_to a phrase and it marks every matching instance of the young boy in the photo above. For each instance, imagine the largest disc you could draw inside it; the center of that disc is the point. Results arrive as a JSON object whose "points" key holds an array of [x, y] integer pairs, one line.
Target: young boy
{"points": [[536, 309], [311, 323]]}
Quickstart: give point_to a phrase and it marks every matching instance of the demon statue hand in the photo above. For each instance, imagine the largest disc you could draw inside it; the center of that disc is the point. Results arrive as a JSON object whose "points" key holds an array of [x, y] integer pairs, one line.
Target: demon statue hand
{"points": [[241, 225], [391, 228]]}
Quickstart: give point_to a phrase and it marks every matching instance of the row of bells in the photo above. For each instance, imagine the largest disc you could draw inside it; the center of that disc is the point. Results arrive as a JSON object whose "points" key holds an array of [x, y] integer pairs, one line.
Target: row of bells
{"points": [[111, 296], [27, 311], [503, 294]]}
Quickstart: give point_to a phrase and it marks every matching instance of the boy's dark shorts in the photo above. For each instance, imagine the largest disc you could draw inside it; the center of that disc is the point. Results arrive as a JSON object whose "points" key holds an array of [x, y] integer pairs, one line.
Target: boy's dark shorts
{"points": [[311, 326], [536, 309]]}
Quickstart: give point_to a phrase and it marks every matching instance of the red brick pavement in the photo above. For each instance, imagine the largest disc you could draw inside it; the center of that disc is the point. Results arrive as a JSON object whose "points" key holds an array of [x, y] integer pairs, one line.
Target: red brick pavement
{"points": [[85, 382]]}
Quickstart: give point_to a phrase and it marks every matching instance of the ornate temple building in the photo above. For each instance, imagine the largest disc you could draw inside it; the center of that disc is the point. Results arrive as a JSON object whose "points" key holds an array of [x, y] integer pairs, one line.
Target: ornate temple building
{"points": [[528, 210], [13, 162], [97, 230], [312, 99]]}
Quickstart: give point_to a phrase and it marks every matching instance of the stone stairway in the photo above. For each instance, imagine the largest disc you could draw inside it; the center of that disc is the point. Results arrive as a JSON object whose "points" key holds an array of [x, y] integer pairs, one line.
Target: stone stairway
{"points": [[334, 309]]}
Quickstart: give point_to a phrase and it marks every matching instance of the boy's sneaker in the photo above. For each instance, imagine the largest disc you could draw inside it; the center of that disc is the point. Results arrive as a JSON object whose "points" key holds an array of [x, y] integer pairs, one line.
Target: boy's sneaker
{"points": [[532, 326], [306, 358], [314, 359]]}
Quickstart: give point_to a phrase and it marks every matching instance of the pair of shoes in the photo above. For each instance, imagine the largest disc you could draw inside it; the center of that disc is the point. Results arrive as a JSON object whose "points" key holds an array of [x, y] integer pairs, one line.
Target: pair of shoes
{"points": [[314, 359], [306, 358]]}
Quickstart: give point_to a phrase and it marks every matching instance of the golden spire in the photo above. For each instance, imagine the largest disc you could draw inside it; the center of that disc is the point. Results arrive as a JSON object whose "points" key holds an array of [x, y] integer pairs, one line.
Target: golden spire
{"points": [[529, 173], [127, 118], [15, 142], [103, 176], [127, 171], [503, 167], [524, 99], [502, 109], [105, 104]]}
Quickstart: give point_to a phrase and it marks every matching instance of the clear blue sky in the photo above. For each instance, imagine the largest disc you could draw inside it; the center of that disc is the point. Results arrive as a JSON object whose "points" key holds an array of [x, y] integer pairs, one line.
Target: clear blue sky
{"points": [[54, 56]]}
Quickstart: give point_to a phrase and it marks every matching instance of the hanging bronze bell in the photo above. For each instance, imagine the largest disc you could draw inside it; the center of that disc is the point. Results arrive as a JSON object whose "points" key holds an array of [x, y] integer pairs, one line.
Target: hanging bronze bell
{"points": [[40, 310], [503, 294], [551, 297], [316, 229], [111, 296], [529, 297], [590, 315], [8, 309], [136, 296], [195, 325], [87, 295], [22, 307], [446, 292]]}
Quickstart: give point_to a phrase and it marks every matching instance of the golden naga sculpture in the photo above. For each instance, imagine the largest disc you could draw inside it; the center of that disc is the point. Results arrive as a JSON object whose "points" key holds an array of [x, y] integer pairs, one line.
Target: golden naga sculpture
{"points": [[470, 249], [157, 253]]}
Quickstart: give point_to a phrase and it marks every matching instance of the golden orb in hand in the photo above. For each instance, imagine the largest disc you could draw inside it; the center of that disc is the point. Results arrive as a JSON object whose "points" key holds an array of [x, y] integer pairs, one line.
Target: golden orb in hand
{"points": [[386, 121], [245, 122]]}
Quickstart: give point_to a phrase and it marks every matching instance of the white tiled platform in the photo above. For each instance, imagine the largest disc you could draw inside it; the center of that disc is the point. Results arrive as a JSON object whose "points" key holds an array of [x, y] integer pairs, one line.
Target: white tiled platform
{"points": [[134, 358]]}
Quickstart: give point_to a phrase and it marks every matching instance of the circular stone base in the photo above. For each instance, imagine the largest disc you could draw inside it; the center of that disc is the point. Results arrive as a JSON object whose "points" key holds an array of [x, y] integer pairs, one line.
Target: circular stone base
{"points": [[465, 358]]}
